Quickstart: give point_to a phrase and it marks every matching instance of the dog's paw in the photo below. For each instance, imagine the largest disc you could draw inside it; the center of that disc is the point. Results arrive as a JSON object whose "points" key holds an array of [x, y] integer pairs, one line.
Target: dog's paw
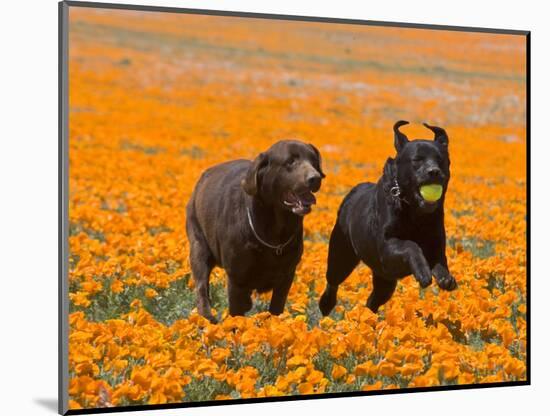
{"points": [[425, 281], [205, 312], [423, 274], [444, 279], [448, 283], [208, 315]]}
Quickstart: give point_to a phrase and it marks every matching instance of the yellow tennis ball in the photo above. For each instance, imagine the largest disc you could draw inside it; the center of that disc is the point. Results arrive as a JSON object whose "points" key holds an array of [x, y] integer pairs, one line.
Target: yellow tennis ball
{"points": [[431, 193]]}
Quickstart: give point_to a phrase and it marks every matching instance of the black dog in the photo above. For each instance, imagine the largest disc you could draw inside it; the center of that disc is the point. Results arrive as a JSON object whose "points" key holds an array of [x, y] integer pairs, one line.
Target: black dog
{"points": [[247, 218], [390, 226]]}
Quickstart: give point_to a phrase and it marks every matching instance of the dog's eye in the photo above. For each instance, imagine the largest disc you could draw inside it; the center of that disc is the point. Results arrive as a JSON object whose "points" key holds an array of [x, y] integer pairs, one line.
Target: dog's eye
{"points": [[418, 159], [290, 161]]}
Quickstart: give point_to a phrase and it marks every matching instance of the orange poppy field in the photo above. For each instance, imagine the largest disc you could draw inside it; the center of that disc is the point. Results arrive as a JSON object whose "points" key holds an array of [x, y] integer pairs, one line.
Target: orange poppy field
{"points": [[156, 98]]}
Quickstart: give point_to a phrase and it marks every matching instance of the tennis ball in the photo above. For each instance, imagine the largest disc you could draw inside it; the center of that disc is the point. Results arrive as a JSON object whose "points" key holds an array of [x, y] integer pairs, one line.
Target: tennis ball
{"points": [[431, 193]]}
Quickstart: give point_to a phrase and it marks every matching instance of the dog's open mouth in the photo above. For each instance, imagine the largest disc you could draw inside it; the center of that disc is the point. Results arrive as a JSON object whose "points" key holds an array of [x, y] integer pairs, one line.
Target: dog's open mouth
{"points": [[300, 204]]}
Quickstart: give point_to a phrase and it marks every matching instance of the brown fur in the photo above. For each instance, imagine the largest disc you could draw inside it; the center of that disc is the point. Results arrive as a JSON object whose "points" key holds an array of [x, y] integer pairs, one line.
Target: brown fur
{"points": [[220, 234]]}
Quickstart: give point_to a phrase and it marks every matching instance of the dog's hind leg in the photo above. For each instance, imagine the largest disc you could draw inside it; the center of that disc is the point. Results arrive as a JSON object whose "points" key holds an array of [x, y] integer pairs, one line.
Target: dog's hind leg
{"points": [[382, 291], [341, 262], [202, 262]]}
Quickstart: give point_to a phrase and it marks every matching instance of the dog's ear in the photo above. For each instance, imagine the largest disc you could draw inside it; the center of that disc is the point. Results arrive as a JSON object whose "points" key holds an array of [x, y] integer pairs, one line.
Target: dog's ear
{"points": [[250, 181], [319, 166], [400, 139], [440, 135], [390, 172]]}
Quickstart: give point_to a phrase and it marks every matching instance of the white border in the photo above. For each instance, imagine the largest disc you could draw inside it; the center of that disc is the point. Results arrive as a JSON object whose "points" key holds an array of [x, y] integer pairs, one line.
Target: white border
{"points": [[28, 212]]}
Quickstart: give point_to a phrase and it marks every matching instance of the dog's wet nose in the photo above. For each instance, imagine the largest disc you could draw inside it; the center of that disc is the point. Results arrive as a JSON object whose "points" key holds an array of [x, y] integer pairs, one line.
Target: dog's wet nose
{"points": [[314, 182], [434, 172]]}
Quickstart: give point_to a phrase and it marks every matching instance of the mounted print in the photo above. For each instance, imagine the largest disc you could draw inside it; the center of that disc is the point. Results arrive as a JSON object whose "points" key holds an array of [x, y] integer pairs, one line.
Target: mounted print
{"points": [[264, 208]]}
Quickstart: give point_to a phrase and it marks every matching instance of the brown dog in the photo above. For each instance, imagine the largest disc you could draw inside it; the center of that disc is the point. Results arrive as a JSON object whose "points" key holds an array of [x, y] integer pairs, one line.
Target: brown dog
{"points": [[247, 218]]}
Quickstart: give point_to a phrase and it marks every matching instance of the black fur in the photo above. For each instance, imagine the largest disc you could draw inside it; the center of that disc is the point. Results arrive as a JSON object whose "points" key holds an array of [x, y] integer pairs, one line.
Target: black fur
{"points": [[390, 227]]}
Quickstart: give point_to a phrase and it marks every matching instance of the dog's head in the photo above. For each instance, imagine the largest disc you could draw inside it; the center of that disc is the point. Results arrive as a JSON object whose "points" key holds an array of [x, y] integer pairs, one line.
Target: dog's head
{"points": [[420, 166], [286, 176]]}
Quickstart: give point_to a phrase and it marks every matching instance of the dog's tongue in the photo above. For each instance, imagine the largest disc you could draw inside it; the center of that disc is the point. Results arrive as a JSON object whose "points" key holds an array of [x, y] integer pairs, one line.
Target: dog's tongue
{"points": [[300, 203], [307, 198]]}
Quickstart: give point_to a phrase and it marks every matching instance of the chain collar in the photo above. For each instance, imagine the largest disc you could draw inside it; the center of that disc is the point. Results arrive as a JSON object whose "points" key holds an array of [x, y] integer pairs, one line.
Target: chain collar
{"points": [[395, 192], [278, 248]]}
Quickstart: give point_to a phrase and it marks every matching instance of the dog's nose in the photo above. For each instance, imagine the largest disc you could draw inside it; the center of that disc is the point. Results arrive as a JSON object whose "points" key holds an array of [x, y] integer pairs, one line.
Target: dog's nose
{"points": [[434, 172], [314, 182]]}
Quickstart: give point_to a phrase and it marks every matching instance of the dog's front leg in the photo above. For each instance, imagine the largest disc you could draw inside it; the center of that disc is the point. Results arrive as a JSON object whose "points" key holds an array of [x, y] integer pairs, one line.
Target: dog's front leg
{"points": [[240, 300], [279, 295], [435, 254], [403, 257], [440, 270]]}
